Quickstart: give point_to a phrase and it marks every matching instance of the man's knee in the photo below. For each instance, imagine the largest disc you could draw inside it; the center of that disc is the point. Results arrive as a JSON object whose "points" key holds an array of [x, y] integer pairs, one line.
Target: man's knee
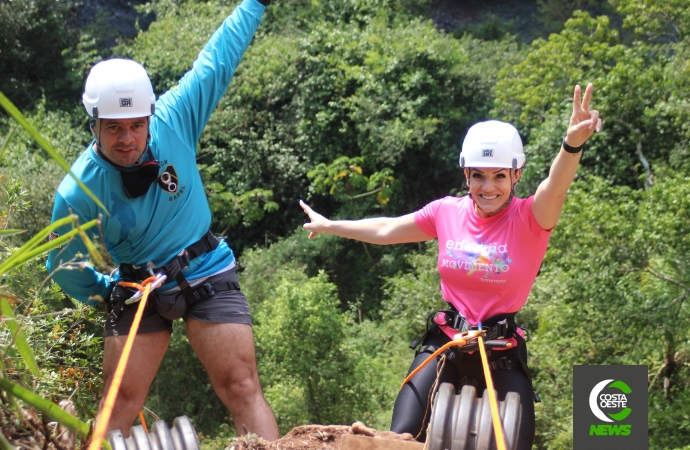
{"points": [[128, 397], [241, 382]]}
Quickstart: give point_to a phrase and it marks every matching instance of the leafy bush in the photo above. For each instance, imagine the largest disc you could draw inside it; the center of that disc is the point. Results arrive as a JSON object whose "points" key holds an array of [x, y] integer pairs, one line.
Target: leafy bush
{"points": [[33, 34]]}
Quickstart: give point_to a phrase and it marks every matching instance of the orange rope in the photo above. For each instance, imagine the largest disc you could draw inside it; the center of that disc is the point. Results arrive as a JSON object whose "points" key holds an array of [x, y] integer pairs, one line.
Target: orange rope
{"points": [[498, 427], [107, 411], [137, 286], [143, 421], [457, 342]]}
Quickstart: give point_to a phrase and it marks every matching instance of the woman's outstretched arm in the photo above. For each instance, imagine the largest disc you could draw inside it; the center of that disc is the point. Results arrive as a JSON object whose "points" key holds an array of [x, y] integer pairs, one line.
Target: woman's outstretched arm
{"points": [[378, 230]]}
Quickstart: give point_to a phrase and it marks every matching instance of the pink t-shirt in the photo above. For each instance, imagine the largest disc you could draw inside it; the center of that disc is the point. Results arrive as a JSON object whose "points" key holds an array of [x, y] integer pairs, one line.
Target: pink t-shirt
{"points": [[487, 265]]}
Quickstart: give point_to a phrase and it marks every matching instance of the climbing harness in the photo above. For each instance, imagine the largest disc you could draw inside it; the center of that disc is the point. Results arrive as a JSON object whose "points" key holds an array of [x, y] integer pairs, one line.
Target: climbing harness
{"points": [[173, 270], [504, 326], [468, 340]]}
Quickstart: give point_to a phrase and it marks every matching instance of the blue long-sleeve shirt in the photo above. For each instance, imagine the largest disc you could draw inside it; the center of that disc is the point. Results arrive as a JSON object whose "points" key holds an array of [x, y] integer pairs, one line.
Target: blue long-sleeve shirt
{"points": [[174, 212]]}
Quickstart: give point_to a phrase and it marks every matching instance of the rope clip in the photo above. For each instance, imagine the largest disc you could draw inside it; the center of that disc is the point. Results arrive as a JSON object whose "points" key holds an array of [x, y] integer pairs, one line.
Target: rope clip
{"points": [[155, 282]]}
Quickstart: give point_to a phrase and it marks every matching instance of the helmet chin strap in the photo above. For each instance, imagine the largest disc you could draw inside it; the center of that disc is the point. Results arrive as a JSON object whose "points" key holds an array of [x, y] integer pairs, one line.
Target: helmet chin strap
{"points": [[505, 205]]}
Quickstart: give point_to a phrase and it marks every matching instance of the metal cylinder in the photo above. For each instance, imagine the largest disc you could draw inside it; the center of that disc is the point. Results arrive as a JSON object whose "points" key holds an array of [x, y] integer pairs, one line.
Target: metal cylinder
{"points": [[464, 422], [181, 436]]}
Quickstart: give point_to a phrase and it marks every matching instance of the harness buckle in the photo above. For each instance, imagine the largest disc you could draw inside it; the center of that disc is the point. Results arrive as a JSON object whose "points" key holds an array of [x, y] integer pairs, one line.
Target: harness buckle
{"points": [[502, 363], [501, 328], [183, 256], [151, 268], [204, 291]]}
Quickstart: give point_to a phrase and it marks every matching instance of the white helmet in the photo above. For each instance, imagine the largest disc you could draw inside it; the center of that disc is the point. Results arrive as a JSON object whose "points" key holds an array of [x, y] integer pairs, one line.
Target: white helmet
{"points": [[118, 89], [492, 144]]}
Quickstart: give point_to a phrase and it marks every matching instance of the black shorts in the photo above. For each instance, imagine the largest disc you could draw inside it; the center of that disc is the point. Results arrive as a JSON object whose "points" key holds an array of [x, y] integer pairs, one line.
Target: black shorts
{"points": [[227, 306]]}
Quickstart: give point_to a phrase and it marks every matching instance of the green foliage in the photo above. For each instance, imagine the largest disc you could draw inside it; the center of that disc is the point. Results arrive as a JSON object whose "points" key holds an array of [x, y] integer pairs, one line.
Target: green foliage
{"points": [[656, 19], [359, 270], [172, 43], [229, 209], [299, 335], [17, 337], [189, 392], [39, 174], [390, 90], [412, 295], [33, 34], [317, 365], [398, 98], [552, 14], [63, 367], [289, 16], [541, 85], [611, 267], [90, 48], [344, 180], [46, 145], [636, 89], [69, 345], [491, 28]]}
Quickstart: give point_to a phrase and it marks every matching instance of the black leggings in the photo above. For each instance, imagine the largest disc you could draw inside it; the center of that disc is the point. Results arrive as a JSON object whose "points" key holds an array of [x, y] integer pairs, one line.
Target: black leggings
{"points": [[411, 405]]}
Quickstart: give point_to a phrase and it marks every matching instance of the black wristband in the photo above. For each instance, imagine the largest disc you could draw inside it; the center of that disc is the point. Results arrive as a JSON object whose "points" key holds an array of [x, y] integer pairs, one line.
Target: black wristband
{"points": [[570, 149], [265, 2]]}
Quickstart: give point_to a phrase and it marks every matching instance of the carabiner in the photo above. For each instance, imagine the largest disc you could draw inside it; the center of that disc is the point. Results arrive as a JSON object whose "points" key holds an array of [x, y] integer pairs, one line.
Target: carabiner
{"points": [[158, 282]]}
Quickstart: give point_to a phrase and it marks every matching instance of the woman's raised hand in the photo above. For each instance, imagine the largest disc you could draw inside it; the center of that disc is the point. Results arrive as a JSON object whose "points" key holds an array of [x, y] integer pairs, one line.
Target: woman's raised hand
{"points": [[318, 222], [584, 121]]}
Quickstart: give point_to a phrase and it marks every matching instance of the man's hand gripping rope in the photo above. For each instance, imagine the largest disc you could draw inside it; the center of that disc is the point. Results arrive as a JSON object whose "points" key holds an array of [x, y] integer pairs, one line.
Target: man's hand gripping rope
{"points": [[469, 341]]}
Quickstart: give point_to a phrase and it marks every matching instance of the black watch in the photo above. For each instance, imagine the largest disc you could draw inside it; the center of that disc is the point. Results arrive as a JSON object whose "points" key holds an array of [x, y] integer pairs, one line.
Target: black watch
{"points": [[265, 2], [569, 148]]}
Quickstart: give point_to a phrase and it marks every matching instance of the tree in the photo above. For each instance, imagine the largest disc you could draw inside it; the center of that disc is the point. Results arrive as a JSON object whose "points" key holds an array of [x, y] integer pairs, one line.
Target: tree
{"points": [[33, 34]]}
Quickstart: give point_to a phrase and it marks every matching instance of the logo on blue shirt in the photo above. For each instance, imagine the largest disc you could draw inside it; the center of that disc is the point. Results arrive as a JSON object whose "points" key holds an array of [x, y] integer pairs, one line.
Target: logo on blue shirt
{"points": [[168, 180]]}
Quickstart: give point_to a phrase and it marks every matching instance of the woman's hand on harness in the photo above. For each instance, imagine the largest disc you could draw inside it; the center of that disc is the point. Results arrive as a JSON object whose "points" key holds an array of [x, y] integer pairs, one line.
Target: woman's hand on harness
{"points": [[318, 222], [583, 121]]}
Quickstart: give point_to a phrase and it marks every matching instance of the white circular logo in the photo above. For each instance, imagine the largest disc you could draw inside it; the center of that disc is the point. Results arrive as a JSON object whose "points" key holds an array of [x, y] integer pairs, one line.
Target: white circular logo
{"points": [[593, 400]]}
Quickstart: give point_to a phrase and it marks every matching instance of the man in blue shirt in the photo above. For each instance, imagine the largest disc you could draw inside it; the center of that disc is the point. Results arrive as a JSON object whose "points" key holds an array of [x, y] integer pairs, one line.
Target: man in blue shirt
{"points": [[142, 166]]}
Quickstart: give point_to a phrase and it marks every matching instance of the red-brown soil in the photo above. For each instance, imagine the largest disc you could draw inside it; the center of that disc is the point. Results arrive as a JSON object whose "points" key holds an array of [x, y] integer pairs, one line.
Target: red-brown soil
{"points": [[314, 437]]}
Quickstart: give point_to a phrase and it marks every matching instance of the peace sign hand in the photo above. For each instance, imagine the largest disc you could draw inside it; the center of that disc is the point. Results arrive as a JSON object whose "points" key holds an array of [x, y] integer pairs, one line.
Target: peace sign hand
{"points": [[584, 121]]}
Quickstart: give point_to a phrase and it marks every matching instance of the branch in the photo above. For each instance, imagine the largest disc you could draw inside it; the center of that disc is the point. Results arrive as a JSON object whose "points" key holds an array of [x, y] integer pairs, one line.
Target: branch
{"points": [[661, 277], [365, 194], [638, 151]]}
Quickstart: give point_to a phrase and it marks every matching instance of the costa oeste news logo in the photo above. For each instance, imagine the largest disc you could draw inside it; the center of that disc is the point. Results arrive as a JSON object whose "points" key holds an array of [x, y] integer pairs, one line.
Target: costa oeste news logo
{"points": [[600, 403], [610, 407]]}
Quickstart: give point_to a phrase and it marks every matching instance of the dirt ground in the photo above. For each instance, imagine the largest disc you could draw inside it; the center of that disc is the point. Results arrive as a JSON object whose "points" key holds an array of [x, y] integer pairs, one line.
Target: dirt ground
{"points": [[33, 432], [315, 437]]}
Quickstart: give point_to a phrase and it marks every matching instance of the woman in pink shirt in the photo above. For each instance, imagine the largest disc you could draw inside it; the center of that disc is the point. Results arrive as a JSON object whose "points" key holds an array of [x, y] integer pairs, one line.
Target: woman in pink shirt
{"points": [[491, 245]]}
